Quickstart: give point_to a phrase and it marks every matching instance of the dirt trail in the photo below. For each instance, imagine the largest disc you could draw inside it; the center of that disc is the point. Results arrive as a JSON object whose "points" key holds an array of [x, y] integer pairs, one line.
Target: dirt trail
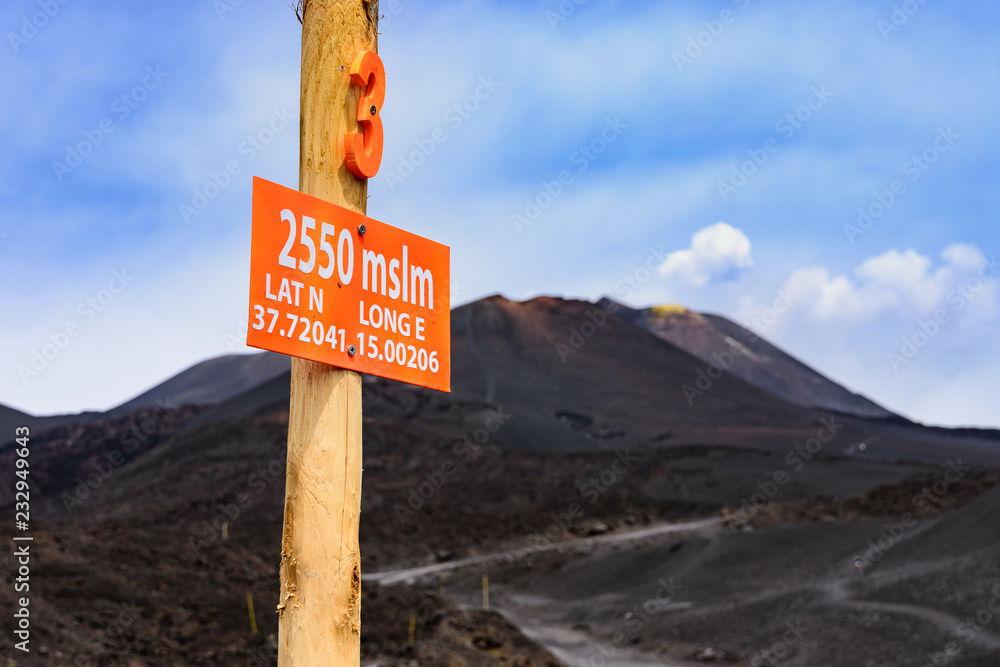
{"points": [[569, 645], [575, 646], [838, 594], [395, 576]]}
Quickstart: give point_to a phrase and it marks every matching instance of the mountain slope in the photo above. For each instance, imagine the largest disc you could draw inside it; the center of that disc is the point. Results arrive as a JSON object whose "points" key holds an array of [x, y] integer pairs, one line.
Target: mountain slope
{"points": [[621, 385], [548, 415], [717, 340], [11, 418], [211, 381], [206, 383], [576, 377]]}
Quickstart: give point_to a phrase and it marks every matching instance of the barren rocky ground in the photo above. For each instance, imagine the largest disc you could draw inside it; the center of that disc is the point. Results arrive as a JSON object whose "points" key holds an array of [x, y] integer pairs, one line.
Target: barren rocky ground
{"points": [[563, 483]]}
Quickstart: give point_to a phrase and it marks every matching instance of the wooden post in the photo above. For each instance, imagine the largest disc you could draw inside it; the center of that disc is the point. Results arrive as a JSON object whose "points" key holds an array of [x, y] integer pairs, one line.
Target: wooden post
{"points": [[319, 616]]}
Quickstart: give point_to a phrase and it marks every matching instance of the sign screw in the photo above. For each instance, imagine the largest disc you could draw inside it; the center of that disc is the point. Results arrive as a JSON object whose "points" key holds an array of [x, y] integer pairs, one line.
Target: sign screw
{"points": [[362, 230], [373, 109], [351, 350]]}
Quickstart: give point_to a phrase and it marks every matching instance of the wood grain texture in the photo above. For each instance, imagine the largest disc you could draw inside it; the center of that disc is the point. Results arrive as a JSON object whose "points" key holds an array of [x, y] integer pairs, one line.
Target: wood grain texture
{"points": [[319, 611]]}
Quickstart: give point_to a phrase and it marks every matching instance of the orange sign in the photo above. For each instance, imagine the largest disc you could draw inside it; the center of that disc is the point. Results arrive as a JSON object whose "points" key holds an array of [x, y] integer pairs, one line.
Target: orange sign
{"points": [[337, 287]]}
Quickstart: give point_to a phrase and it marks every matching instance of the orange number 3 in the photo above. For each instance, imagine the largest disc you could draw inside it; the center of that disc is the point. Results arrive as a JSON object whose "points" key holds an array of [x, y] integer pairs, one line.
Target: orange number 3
{"points": [[364, 149]]}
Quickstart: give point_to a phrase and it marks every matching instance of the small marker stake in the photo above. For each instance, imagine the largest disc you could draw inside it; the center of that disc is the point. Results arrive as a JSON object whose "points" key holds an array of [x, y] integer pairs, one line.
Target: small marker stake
{"points": [[413, 627], [253, 620], [486, 593]]}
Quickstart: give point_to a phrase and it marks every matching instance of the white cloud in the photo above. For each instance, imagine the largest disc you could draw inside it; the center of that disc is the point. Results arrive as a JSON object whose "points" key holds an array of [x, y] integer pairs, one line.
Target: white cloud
{"points": [[855, 326], [718, 252], [900, 281], [830, 297]]}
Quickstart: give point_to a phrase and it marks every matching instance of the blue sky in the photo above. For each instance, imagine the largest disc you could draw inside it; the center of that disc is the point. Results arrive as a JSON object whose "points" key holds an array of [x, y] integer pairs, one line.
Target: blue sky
{"points": [[729, 144]]}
